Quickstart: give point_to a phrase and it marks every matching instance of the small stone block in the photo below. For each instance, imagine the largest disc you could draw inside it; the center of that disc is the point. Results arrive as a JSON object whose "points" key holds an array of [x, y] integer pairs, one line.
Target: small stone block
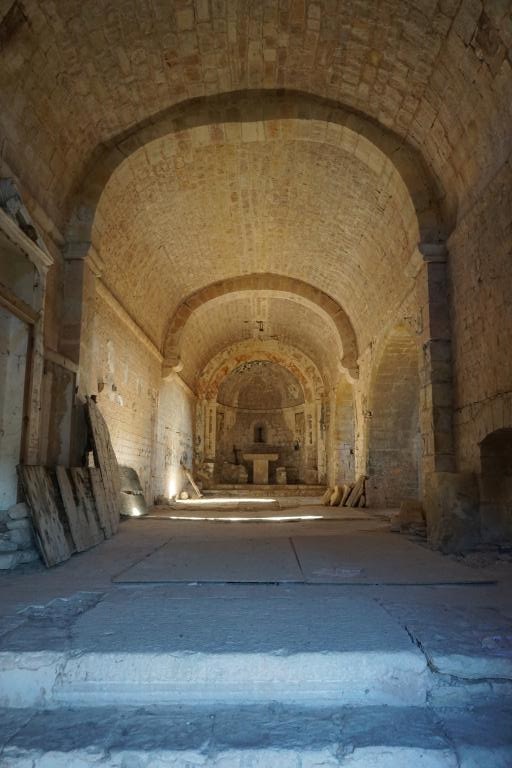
{"points": [[22, 525], [9, 560], [28, 556], [7, 545], [18, 511], [22, 538]]}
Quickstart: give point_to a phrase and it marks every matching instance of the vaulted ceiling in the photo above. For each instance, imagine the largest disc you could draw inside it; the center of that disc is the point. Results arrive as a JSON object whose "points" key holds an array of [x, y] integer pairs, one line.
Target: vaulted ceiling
{"points": [[75, 74], [179, 220], [292, 197], [263, 316]]}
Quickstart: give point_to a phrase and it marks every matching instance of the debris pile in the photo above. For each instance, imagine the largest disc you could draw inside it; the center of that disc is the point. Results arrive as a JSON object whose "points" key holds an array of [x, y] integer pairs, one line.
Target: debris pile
{"points": [[73, 509], [410, 519], [17, 544], [346, 495]]}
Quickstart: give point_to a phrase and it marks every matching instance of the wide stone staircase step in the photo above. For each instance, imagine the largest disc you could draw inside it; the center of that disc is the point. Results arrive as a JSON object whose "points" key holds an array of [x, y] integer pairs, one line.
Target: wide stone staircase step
{"points": [[249, 681], [293, 650], [53, 679], [269, 736]]}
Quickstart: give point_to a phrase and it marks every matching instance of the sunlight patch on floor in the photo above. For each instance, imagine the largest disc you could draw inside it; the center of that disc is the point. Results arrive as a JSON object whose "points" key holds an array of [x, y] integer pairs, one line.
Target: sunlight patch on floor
{"points": [[226, 500], [231, 519]]}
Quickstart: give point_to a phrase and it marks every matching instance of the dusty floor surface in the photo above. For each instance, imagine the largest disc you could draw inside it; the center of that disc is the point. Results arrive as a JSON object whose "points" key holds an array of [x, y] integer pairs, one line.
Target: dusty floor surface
{"points": [[469, 600], [269, 592]]}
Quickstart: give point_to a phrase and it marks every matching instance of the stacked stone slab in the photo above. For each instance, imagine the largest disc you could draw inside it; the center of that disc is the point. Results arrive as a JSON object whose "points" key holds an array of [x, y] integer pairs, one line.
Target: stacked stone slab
{"points": [[16, 537]]}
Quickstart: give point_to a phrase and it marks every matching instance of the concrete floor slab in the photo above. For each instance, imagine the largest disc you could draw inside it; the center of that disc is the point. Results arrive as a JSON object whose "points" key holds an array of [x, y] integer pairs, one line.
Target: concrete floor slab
{"points": [[374, 558], [222, 560], [365, 557]]}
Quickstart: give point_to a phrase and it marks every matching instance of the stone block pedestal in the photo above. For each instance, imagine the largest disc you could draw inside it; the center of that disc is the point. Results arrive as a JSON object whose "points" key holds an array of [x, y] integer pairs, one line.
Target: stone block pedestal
{"points": [[260, 466]]}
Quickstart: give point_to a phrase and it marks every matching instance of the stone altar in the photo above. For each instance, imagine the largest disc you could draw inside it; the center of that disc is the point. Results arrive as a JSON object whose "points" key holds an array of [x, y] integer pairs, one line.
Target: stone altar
{"points": [[260, 466]]}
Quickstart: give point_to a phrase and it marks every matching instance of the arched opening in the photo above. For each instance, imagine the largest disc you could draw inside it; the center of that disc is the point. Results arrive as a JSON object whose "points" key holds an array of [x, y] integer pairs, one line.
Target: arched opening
{"points": [[260, 433], [496, 485], [259, 412], [393, 423]]}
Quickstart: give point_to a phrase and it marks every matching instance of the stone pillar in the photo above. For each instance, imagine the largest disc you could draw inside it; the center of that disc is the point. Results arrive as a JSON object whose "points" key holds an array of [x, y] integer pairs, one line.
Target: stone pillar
{"points": [[200, 431], [82, 268], [321, 437], [450, 499], [310, 454], [210, 430], [331, 442], [33, 427], [435, 367]]}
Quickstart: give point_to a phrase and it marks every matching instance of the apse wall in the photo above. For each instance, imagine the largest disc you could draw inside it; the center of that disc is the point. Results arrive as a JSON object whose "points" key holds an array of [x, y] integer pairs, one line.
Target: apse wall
{"points": [[283, 432], [260, 408]]}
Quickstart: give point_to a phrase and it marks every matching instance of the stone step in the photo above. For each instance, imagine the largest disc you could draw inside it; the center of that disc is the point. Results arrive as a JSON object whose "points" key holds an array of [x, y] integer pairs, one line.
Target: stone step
{"points": [[46, 678], [193, 645], [295, 650], [271, 736], [254, 489]]}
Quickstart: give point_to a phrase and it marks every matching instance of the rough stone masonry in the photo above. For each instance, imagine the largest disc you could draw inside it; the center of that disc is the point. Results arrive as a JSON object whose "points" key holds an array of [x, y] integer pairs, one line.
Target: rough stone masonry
{"points": [[321, 187]]}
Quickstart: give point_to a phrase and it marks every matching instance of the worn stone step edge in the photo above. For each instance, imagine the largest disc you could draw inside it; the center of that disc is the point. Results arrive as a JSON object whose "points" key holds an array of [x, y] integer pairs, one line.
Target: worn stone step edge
{"points": [[360, 757], [47, 678], [257, 736]]}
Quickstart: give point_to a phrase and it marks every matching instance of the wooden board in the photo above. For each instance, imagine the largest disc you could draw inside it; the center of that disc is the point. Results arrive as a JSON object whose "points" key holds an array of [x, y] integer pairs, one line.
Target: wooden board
{"points": [[189, 477], [84, 528], [41, 496], [83, 489], [356, 492], [106, 462], [100, 501]]}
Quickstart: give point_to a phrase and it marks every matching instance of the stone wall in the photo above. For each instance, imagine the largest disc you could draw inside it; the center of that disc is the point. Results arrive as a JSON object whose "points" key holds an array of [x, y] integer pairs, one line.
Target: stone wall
{"points": [[127, 376], [481, 310], [174, 437], [481, 283], [150, 421], [344, 437], [393, 423], [13, 352], [283, 428]]}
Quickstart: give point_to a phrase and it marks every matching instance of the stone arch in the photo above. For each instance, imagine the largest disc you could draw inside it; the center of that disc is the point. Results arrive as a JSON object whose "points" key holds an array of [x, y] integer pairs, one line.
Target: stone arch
{"points": [[256, 282], [295, 361], [496, 485], [393, 422], [302, 368], [258, 111]]}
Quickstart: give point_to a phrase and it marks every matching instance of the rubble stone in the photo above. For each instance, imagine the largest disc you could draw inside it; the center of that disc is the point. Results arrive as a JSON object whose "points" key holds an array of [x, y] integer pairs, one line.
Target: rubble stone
{"points": [[21, 524], [9, 560], [22, 537], [7, 544], [18, 511]]}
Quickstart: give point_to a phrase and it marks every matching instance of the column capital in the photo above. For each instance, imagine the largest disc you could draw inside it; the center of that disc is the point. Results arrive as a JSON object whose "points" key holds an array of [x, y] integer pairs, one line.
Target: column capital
{"points": [[85, 251], [170, 366], [433, 252], [425, 253]]}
